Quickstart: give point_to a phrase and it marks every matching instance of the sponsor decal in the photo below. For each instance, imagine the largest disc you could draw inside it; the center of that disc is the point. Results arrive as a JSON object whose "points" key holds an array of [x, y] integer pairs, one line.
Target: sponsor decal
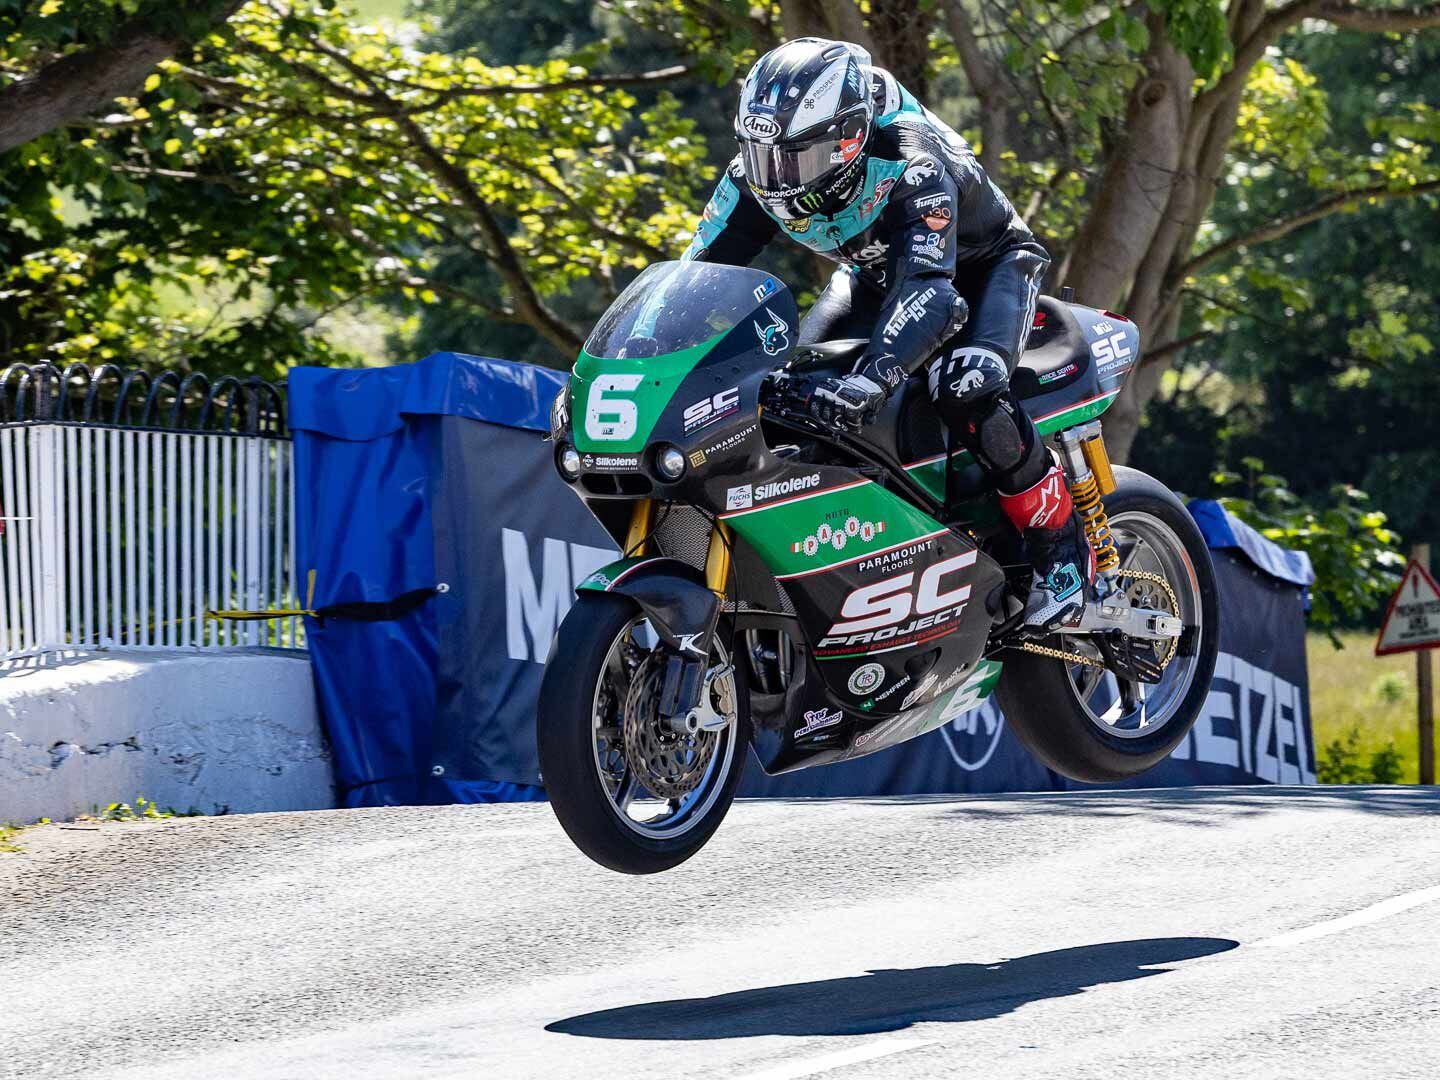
{"points": [[900, 611], [1103, 328], [758, 126], [697, 458], [865, 678], [938, 218], [611, 462], [1111, 353], [942, 199], [764, 108], [747, 495], [931, 246], [911, 309], [764, 289], [731, 441], [818, 719], [971, 380], [1039, 322], [797, 225], [1058, 373], [881, 190], [893, 689], [894, 560], [850, 147], [871, 252], [809, 201], [926, 687], [921, 171], [827, 535], [708, 410], [774, 337]]}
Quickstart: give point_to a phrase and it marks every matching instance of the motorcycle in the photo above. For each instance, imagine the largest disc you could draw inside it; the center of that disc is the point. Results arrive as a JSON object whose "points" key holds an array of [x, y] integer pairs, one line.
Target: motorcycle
{"points": [[818, 595]]}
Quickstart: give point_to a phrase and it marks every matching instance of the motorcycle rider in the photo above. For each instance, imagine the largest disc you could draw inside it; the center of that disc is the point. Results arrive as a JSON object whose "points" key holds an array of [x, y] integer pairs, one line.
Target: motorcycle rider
{"points": [[844, 159]]}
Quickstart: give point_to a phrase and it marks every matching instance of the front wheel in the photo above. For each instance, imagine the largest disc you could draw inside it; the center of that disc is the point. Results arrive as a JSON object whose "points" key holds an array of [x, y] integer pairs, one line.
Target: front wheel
{"points": [[1085, 722], [633, 794]]}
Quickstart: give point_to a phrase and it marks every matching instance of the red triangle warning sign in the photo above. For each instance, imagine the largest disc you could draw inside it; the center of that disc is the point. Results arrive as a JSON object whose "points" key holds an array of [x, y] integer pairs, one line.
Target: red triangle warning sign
{"points": [[1412, 621]]}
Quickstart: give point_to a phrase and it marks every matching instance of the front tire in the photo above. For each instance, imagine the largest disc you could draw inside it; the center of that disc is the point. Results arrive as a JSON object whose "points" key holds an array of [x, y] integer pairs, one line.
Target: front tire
{"points": [[1065, 714], [589, 773]]}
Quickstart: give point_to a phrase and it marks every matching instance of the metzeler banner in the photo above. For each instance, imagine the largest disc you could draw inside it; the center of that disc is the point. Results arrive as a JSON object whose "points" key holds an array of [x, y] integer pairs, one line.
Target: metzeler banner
{"points": [[475, 512]]}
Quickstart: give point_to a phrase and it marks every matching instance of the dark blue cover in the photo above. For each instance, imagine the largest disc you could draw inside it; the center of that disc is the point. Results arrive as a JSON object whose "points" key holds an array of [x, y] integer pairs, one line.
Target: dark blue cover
{"points": [[370, 480], [435, 475]]}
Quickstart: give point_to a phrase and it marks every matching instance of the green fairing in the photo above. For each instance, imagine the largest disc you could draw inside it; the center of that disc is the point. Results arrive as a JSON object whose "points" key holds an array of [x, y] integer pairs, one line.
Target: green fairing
{"points": [[601, 580], [931, 476], [773, 530], [662, 377]]}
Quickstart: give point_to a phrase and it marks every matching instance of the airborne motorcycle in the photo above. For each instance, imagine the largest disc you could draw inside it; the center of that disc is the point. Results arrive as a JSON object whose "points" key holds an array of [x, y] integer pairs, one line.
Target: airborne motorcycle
{"points": [[819, 595]]}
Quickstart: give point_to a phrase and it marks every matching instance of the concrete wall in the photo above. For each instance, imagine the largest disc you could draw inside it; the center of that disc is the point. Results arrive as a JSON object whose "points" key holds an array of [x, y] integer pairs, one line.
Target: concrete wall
{"points": [[219, 732]]}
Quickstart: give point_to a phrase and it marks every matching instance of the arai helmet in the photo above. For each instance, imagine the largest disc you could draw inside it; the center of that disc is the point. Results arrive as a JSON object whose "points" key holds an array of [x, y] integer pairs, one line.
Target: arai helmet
{"points": [[804, 126]]}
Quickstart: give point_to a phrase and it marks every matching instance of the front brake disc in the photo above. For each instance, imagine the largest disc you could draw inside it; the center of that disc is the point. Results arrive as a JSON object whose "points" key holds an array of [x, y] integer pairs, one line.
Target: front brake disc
{"points": [[669, 765]]}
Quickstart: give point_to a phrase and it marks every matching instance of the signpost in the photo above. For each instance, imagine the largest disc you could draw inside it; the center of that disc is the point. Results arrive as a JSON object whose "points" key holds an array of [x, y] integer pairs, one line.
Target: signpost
{"points": [[1412, 624]]}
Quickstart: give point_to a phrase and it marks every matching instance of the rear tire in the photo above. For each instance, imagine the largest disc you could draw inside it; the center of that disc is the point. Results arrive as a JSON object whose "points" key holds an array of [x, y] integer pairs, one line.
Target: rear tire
{"points": [[566, 730], [1039, 695]]}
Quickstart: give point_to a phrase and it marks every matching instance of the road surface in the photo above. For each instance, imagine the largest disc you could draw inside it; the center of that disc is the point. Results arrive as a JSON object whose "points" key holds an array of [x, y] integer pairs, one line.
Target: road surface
{"points": [[1226, 933]]}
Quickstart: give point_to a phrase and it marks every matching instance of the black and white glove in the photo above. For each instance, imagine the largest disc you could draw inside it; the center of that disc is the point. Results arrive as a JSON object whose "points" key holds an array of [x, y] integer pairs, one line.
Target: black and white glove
{"points": [[849, 402]]}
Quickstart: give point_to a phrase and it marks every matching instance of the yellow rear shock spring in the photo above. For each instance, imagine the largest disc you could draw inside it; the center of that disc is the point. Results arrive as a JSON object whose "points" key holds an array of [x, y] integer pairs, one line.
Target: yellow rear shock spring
{"points": [[1086, 495]]}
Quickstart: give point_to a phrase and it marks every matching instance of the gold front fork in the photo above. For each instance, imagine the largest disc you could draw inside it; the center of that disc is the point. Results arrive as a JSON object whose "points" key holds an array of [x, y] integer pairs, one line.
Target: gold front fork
{"points": [[717, 559], [639, 528], [1090, 478]]}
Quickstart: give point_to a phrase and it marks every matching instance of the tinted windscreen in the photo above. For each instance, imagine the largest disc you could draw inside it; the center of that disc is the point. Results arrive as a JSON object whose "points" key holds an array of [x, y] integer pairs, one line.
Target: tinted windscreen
{"points": [[674, 305]]}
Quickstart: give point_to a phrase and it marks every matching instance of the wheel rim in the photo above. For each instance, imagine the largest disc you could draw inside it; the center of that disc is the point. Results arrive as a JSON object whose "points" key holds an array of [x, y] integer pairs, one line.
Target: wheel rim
{"points": [[629, 800], [1134, 710]]}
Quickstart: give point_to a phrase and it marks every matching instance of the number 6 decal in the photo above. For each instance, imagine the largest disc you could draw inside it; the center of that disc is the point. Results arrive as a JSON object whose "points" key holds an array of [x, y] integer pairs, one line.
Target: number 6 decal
{"points": [[612, 418]]}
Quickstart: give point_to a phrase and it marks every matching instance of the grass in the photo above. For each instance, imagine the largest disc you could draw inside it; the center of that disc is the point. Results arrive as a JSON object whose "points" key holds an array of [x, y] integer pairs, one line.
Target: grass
{"points": [[1352, 689]]}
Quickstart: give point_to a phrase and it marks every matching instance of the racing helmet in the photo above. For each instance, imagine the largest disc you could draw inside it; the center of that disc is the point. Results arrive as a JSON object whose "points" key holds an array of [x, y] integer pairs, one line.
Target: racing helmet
{"points": [[804, 126]]}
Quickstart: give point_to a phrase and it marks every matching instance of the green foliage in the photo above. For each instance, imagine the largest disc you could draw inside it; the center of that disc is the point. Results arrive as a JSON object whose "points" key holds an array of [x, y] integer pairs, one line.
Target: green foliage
{"points": [[143, 810], [1390, 688], [1356, 561], [1198, 29], [8, 833], [1341, 762]]}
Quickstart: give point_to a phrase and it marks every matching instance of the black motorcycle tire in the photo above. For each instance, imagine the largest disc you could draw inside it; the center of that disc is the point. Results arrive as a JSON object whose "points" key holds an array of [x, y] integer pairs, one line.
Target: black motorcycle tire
{"points": [[565, 735], [1035, 692]]}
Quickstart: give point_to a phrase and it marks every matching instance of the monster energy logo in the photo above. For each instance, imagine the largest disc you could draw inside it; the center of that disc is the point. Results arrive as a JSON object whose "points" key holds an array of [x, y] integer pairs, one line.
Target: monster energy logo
{"points": [[809, 201]]}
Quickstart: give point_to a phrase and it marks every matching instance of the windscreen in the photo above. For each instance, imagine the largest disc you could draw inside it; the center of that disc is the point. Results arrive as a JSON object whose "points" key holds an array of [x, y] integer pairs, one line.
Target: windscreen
{"points": [[675, 305]]}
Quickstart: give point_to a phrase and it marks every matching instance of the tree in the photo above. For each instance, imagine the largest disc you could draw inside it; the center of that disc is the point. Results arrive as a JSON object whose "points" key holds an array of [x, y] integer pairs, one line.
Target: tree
{"points": [[75, 57], [300, 163]]}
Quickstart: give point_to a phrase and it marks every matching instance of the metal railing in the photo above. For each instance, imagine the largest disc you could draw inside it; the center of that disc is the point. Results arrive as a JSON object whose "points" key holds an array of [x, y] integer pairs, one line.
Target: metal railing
{"points": [[132, 504]]}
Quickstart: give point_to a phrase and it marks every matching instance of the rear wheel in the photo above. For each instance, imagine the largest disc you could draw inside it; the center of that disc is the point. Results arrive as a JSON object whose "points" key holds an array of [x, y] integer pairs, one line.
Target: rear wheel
{"points": [[1085, 722], [633, 794]]}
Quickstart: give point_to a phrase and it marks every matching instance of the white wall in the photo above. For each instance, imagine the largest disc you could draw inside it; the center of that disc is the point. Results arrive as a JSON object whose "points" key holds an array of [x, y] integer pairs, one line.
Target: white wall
{"points": [[220, 732]]}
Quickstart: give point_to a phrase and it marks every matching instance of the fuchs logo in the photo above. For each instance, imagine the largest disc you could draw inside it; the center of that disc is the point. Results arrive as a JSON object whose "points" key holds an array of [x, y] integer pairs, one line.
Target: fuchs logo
{"points": [[759, 127], [865, 678], [829, 536], [740, 498], [776, 488], [774, 338], [816, 719]]}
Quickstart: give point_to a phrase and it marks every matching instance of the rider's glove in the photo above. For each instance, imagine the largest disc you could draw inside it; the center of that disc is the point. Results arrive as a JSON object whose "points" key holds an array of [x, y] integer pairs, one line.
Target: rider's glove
{"points": [[848, 402]]}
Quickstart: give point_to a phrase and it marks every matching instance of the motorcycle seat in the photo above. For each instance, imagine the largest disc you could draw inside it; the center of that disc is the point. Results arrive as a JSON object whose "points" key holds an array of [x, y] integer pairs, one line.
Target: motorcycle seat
{"points": [[1055, 341]]}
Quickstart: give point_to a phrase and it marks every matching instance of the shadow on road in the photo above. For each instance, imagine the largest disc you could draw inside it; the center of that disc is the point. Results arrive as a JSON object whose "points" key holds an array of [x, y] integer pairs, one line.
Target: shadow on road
{"points": [[892, 999]]}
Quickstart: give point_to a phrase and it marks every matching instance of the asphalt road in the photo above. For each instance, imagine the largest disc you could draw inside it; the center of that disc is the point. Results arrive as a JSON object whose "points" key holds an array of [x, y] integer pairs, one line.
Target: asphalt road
{"points": [[1227, 933]]}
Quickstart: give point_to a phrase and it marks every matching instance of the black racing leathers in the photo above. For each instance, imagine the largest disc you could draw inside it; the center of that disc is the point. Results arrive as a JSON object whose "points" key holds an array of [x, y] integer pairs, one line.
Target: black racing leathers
{"points": [[929, 241]]}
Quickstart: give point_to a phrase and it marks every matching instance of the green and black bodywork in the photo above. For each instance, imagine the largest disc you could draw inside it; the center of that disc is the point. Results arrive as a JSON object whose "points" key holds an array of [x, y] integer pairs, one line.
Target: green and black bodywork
{"points": [[866, 577]]}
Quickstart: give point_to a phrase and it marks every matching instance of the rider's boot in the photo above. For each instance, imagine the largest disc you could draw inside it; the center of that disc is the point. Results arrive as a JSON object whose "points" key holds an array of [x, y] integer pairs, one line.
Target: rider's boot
{"points": [[1059, 550]]}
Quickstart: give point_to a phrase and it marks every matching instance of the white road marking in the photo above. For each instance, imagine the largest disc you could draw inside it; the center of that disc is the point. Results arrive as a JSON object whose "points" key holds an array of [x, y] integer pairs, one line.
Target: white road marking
{"points": [[1373, 913], [793, 1070]]}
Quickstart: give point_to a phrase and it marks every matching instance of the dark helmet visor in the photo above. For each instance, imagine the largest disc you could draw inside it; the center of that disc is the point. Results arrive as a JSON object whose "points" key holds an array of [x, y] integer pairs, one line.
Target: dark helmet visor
{"points": [[781, 172]]}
